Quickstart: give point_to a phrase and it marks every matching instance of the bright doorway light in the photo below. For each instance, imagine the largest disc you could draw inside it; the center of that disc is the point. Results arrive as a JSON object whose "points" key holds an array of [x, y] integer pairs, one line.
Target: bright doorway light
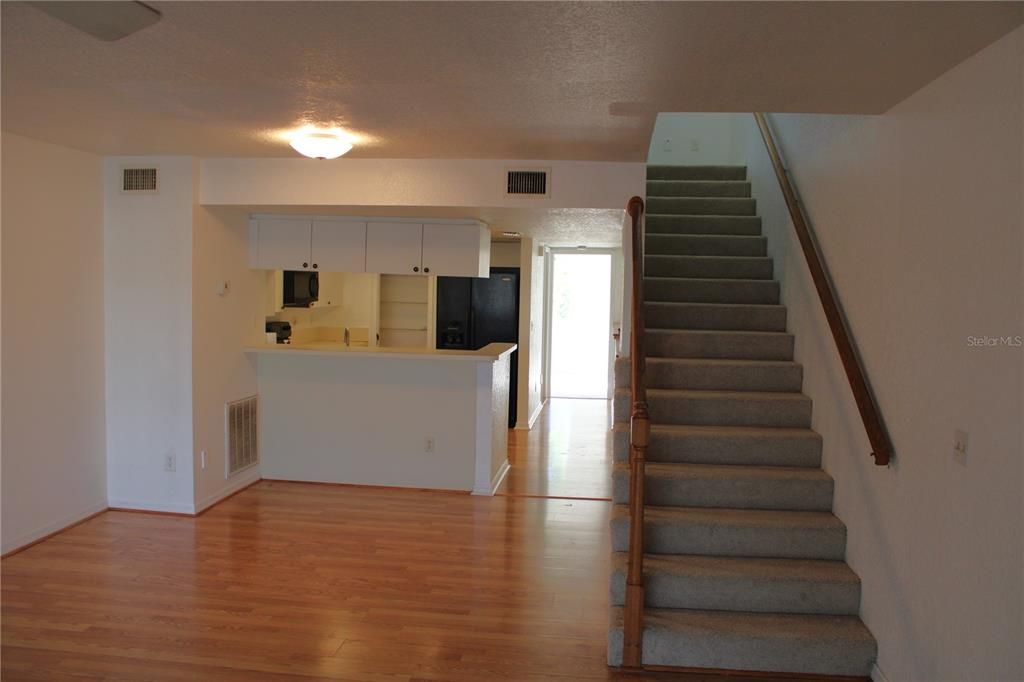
{"points": [[580, 324]]}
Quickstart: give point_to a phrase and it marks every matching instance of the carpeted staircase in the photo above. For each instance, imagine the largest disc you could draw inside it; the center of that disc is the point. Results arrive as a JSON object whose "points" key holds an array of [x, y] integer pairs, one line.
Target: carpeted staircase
{"points": [[744, 561]]}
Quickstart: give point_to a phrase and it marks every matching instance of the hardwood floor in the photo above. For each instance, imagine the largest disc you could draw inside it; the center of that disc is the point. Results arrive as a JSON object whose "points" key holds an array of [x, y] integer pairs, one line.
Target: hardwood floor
{"points": [[568, 453], [317, 582]]}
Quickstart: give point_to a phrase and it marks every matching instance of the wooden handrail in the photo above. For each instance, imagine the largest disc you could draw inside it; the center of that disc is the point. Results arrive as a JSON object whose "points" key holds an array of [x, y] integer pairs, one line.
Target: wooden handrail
{"points": [[639, 434], [862, 394]]}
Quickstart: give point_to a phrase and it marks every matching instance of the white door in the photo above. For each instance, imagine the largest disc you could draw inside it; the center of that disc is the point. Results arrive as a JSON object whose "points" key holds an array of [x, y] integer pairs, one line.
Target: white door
{"points": [[283, 244], [339, 246], [394, 248], [455, 250]]}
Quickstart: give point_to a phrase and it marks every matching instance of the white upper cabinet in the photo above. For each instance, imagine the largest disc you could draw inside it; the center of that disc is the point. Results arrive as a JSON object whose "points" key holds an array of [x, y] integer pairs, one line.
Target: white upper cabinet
{"points": [[394, 248], [281, 244], [388, 247], [338, 246], [456, 250]]}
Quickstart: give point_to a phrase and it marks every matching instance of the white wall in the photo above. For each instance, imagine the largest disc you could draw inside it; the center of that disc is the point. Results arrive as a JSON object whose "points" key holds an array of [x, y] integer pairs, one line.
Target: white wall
{"points": [[222, 325], [52, 357], [919, 215], [148, 320], [505, 254], [696, 139], [410, 182]]}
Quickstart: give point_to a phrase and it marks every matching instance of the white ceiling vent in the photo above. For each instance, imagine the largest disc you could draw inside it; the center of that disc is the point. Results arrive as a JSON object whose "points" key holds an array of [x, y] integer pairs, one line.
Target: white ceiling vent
{"points": [[528, 181], [135, 180]]}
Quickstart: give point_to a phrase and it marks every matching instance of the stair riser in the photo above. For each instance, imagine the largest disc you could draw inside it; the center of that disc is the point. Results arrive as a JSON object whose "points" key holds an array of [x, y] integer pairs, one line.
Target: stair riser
{"points": [[696, 172], [695, 449], [711, 291], [698, 188], [710, 345], [824, 657], [708, 266], [739, 541], [698, 224], [703, 245], [701, 206], [741, 318], [667, 374], [704, 411], [728, 593], [777, 494]]}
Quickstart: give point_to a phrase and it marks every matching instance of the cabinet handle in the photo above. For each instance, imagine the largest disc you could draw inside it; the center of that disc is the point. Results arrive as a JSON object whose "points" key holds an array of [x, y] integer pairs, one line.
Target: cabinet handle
{"points": [[426, 269], [305, 265], [314, 266], [416, 269]]}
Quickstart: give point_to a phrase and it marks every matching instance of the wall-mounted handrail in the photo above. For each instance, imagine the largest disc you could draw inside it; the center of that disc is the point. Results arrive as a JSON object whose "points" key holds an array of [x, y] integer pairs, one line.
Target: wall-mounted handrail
{"points": [[639, 434], [862, 394]]}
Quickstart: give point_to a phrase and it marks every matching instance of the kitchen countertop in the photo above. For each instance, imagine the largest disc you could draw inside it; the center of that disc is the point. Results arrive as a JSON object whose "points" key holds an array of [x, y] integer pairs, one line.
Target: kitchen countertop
{"points": [[488, 353]]}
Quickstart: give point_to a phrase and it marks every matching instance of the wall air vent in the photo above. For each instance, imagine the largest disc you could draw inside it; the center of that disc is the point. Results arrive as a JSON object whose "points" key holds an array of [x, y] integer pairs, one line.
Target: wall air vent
{"points": [[138, 180], [242, 428], [530, 182]]}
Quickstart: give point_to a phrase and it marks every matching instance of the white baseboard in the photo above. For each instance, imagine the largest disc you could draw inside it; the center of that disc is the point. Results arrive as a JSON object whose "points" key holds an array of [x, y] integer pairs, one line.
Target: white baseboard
{"points": [[533, 417], [10, 545], [140, 505], [244, 480], [495, 481]]}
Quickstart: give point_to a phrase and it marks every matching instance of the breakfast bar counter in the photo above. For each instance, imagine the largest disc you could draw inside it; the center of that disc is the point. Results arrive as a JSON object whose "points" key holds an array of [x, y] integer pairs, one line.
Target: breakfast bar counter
{"points": [[408, 417]]}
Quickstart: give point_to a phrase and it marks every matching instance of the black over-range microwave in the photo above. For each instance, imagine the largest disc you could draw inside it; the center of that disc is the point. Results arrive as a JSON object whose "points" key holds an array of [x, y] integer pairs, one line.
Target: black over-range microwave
{"points": [[300, 288]]}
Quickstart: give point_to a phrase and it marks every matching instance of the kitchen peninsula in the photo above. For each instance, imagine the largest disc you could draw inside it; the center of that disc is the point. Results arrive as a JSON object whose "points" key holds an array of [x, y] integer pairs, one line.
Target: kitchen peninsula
{"points": [[409, 417]]}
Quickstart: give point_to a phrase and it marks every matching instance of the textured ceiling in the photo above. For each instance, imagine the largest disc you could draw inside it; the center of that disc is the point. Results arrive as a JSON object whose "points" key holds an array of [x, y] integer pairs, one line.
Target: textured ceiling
{"points": [[466, 79]]}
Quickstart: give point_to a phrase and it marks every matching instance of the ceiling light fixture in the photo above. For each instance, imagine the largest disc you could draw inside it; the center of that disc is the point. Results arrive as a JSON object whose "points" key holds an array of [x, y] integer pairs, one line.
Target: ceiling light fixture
{"points": [[511, 235], [320, 145]]}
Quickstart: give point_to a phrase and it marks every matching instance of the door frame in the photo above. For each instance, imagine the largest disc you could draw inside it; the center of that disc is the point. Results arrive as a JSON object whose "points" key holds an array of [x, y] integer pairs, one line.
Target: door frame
{"points": [[549, 291]]}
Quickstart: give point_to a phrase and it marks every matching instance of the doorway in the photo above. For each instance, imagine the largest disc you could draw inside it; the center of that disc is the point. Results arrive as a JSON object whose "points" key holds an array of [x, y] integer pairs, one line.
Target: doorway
{"points": [[580, 345]]}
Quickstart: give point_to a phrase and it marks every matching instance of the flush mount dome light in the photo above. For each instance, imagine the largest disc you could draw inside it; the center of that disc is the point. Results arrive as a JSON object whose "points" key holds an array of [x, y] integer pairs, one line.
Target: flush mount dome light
{"points": [[320, 145]]}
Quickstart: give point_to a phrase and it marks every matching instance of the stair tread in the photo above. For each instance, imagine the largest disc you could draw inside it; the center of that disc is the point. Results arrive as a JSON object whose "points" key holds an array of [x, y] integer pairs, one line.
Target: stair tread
{"points": [[673, 235], [713, 304], [755, 568], [759, 626], [737, 332], [718, 362], [762, 472], [717, 516], [714, 280], [728, 431], [712, 394]]}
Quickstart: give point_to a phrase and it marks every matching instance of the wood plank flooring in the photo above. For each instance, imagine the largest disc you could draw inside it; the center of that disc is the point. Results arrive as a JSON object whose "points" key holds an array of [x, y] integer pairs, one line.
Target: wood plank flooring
{"points": [[317, 582], [568, 453]]}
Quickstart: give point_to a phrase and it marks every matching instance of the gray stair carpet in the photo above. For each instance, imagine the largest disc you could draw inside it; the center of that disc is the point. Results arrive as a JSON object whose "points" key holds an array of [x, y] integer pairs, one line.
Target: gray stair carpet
{"points": [[744, 561]]}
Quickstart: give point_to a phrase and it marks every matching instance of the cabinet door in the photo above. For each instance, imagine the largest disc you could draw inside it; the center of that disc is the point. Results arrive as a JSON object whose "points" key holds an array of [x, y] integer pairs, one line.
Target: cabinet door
{"points": [[456, 250], [283, 244], [394, 248], [339, 246]]}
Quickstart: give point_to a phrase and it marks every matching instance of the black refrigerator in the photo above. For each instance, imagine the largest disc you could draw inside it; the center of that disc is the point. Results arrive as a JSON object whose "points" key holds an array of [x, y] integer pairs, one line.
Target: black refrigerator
{"points": [[475, 311]]}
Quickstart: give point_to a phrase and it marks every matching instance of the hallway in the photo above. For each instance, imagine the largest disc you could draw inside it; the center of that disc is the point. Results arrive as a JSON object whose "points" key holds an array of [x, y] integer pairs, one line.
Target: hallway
{"points": [[568, 453]]}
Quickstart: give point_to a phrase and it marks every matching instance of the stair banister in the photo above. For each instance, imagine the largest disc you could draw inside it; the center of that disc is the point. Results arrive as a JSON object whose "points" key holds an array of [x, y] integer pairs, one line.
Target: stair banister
{"points": [[639, 434], [855, 373]]}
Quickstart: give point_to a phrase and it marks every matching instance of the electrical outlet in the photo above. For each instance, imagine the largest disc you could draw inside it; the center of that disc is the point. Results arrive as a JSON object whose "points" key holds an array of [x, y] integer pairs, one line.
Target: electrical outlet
{"points": [[960, 447], [694, 145], [428, 446], [202, 459], [170, 462]]}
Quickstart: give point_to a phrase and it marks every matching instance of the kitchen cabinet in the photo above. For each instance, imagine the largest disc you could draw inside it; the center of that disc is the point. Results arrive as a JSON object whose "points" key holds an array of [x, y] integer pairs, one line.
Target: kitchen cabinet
{"points": [[455, 248], [338, 246], [281, 244], [450, 249], [394, 248], [297, 244]]}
